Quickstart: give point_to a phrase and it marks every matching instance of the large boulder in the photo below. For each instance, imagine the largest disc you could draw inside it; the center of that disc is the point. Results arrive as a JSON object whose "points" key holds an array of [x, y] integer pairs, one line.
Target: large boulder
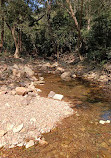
{"points": [[66, 76]]}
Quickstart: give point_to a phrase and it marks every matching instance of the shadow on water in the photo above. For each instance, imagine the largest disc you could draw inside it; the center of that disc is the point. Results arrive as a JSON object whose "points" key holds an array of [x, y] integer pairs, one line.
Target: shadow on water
{"points": [[80, 135]]}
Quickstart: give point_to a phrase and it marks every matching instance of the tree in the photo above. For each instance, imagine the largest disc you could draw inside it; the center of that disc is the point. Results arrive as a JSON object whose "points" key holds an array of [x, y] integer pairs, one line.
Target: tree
{"points": [[68, 5], [2, 25], [16, 13]]}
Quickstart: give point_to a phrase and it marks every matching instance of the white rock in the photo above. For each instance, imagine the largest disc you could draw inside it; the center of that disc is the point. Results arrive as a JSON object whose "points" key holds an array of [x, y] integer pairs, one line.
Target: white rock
{"points": [[58, 96], [67, 113], [18, 128], [29, 144], [38, 90], [74, 76], [108, 121], [2, 132], [39, 82], [11, 146], [103, 122], [20, 144]]}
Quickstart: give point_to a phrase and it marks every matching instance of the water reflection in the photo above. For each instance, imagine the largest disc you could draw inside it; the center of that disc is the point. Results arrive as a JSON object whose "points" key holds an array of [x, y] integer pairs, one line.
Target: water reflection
{"points": [[106, 115]]}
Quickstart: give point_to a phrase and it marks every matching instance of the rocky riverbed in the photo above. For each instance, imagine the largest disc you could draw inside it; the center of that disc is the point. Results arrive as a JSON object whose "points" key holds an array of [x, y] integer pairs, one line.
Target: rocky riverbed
{"points": [[24, 114]]}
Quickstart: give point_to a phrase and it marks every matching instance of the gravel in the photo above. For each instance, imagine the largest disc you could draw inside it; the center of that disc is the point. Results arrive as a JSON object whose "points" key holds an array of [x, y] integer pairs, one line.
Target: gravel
{"points": [[40, 115]]}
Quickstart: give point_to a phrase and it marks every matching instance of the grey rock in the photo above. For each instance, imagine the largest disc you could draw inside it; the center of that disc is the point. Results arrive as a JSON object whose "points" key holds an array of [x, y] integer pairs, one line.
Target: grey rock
{"points": [[28, 71], [66, 76], [51, 94]]}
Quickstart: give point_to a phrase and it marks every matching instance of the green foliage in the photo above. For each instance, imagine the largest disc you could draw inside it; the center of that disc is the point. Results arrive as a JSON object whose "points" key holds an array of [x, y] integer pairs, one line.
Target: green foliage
{"points": [[57, 32], [98, 38]]}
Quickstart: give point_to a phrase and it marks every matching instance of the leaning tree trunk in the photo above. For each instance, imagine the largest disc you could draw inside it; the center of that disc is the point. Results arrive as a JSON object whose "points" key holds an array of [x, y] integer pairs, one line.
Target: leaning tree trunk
{"points": [[16, 54], [78, 26]]}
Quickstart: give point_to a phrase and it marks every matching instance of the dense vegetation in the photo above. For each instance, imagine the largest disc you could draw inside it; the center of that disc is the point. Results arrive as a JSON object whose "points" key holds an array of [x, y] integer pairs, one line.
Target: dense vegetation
{"points": [[54, 27]]}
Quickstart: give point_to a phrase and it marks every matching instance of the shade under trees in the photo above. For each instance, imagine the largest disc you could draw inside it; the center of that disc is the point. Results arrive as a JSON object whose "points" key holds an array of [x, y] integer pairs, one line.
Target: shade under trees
{"points": [[51, 27]]}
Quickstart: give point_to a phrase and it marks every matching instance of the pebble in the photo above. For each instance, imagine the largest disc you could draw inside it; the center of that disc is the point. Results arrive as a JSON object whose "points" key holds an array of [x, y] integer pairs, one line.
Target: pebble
{"points": [[20, 144], [18, 128], [29, 144]]}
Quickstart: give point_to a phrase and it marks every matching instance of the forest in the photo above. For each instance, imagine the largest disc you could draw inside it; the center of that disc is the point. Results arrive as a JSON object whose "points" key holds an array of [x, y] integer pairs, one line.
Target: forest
{"points": [[54, 27]]}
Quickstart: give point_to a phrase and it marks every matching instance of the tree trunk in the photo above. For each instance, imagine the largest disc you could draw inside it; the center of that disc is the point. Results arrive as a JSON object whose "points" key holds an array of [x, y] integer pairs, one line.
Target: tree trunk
{"points": [[49, 25], [20, 40], [16, 54], [2, 27], [78, 26], [88, 24]]}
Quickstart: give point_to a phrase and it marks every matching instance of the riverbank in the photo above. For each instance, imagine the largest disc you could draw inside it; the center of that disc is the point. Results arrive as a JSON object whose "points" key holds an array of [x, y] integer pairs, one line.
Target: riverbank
{"points": [[79, 135], [24, 115]]}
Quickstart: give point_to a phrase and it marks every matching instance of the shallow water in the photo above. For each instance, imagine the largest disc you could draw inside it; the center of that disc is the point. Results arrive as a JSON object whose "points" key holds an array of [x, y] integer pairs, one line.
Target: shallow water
{"points": [[80, 135]]}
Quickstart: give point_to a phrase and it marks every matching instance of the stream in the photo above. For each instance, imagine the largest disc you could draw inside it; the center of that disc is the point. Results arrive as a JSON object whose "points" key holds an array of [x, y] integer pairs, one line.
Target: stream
{"points": [[80, 135]]}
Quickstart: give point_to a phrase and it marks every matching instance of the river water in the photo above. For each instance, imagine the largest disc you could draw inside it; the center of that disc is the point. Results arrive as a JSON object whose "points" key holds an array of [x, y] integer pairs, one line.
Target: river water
{"points": [[80, 135]]}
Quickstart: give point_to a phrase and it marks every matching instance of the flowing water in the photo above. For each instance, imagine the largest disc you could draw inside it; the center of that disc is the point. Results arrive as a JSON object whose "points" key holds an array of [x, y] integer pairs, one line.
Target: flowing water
{"points": [[80, 135]]}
